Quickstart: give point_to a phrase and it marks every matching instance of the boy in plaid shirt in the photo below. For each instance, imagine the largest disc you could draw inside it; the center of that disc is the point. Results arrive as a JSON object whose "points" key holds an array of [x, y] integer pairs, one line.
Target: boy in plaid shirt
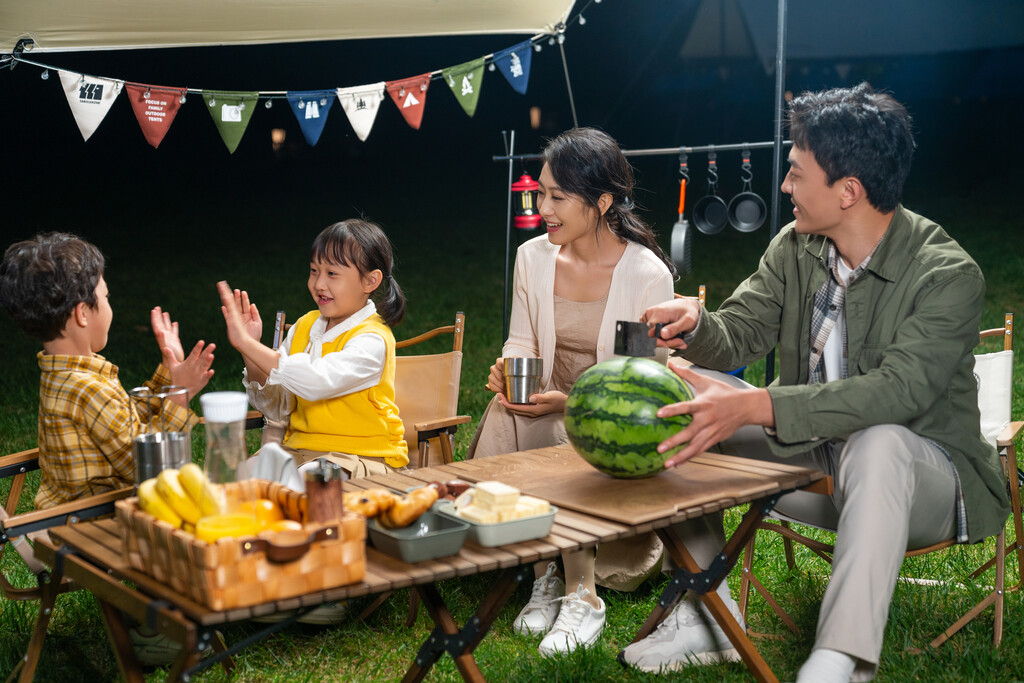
{"points": [[52, 286]]}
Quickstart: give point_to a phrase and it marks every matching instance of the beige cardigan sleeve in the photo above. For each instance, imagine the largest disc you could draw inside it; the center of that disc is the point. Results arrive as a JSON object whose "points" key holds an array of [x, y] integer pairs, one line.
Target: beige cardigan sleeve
{"points": [[639, 281]]}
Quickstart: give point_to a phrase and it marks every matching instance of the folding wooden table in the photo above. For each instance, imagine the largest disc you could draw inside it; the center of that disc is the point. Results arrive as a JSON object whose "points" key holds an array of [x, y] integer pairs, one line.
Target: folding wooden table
{"points": [[593, 508]]}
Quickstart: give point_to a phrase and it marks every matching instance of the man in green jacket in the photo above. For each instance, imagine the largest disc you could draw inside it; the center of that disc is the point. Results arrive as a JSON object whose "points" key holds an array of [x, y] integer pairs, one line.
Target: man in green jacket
{"points": [[875, 311]]}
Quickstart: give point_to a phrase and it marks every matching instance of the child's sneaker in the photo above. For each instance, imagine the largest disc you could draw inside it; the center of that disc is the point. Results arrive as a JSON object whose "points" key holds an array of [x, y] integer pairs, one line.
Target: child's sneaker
{"points": [[541, 611], [327, 614], [578, 624], [153, 648]]}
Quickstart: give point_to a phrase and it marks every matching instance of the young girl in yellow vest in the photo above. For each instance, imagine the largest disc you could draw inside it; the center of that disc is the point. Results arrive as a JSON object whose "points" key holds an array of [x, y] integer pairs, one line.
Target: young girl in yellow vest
{"points": [[333, 377]]}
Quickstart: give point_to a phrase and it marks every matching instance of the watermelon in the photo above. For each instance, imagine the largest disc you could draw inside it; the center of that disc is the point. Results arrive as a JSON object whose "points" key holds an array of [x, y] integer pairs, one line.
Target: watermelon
{"points": [[611, 416]]}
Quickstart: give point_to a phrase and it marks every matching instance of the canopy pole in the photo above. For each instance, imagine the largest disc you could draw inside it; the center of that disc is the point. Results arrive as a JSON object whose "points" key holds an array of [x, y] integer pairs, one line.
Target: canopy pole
{"points": [[568, 85], [780, 89], [510, 145]]}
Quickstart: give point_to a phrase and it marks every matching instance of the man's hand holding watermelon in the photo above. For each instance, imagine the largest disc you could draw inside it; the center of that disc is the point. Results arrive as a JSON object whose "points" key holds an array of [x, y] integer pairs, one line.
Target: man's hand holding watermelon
{"points": [[718, 409]]}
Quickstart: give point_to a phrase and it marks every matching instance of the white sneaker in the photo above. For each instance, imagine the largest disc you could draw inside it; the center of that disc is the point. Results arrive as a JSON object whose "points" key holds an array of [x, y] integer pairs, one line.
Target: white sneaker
{"points": [[327, 614], [541, 611], [688, 635], [578, 624]]}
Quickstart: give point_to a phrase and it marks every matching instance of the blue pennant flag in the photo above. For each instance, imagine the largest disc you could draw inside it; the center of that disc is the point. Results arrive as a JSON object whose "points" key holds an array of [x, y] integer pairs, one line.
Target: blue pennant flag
{"points": [[514, 63], [311, 107]]}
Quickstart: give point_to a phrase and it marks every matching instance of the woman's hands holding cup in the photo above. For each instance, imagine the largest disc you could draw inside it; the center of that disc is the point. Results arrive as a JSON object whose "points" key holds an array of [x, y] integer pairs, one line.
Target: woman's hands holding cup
{"points": [[496, 378], [540, 404]]}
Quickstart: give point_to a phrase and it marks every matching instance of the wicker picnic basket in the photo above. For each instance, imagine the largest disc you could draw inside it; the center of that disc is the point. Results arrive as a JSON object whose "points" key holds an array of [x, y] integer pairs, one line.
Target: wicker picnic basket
{"points": [[238, 572]]}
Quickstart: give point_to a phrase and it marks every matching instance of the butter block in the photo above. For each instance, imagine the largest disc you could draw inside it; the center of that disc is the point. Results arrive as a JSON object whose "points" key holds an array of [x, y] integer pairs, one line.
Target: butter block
{"points": [[494, 495], [479, 515], [528, 506]]}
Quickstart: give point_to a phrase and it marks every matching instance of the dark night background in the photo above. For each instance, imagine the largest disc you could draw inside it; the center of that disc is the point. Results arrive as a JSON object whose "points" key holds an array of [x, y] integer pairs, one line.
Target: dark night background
{"points": [[191, 202]]}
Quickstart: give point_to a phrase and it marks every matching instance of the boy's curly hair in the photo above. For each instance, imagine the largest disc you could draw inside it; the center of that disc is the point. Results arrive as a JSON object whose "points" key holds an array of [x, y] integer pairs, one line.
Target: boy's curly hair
{"points": [[42, 280]]}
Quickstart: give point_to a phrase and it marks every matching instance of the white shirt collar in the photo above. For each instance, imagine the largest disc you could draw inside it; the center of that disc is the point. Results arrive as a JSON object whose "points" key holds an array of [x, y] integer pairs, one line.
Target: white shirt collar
{"points": [[320, 324]]}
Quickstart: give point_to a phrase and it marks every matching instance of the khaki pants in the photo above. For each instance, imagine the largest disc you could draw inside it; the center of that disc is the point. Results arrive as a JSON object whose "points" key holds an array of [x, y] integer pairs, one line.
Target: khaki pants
{"points": [[893, 491], [355, 466]]}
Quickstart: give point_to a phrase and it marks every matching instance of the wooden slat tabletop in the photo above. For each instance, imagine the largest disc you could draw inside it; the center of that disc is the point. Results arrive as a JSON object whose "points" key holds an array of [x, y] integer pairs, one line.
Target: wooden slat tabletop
{"points": [[707, 483], [593, 508]]}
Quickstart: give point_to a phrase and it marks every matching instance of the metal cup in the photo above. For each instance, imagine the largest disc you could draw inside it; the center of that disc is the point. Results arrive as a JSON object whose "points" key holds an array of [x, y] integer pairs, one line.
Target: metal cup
{"points": [[154, 453], [522, 378]]}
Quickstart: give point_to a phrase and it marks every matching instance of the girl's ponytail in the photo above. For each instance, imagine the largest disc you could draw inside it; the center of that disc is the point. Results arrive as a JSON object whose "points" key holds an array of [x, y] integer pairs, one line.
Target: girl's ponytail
{"points": [[392, 305]]}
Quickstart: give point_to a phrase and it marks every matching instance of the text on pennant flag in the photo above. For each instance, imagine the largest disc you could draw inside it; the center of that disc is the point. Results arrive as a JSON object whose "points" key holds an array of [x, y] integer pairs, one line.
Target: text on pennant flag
{"points": [[155, 108], [231, 113], [410, 96], [311, 108], [361, 104], [90, 99], [514, 64], [465, 81]]}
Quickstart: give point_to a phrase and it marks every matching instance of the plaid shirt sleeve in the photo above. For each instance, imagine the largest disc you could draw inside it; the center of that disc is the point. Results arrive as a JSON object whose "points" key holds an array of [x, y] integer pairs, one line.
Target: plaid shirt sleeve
{"points": [[86, 424]]}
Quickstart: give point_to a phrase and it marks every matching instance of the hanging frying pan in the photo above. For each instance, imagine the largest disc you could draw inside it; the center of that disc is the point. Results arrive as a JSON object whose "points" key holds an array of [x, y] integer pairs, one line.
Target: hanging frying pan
{"points": [[710, 213], [747, 210], [681, 237]]}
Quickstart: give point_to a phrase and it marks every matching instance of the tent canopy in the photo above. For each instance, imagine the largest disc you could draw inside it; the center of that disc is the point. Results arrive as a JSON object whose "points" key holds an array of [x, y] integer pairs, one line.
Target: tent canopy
{"points": [[73, 25], [831, 30]]}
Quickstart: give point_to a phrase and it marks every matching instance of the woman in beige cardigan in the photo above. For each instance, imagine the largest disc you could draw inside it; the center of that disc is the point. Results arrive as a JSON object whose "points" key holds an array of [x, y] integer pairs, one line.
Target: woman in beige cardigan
{"points": [[598, 263]]}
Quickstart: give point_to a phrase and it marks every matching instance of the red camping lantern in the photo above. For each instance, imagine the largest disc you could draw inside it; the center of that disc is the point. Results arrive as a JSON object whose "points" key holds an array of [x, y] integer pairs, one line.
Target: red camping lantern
{"points": [[524, 203]]}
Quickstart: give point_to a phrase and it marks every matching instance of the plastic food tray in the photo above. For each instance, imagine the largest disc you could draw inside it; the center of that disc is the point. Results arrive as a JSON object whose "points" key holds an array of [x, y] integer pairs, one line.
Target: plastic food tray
{"points": [[429, 537], [503, 533]]}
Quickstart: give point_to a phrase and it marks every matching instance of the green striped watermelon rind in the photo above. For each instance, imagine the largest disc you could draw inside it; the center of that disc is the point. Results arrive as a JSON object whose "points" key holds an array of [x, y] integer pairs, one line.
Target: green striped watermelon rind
{"points": [[611, 416]]}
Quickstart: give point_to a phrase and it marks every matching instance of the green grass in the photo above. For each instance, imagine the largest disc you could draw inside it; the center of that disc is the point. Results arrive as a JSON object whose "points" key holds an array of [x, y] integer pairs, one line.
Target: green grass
{"points": [[447, 265]]}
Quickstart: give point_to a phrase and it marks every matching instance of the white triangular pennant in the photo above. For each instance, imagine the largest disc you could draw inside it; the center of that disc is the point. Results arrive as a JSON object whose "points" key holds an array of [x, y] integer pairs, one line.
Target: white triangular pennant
{"points": [[89, 98], [361, 104]]}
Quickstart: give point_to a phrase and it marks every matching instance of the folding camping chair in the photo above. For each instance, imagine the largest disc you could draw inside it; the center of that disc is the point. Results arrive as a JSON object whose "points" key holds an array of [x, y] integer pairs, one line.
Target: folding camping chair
{"points": [[994, 372], [16, 530]]}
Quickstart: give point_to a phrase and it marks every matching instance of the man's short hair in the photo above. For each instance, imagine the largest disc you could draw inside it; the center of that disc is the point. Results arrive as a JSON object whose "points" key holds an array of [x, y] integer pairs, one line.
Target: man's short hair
{"points": [[856, 132], [42, 280]]}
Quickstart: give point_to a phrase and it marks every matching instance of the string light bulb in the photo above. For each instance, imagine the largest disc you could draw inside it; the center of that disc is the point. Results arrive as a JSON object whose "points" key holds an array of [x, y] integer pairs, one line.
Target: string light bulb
{"points": [[45, 75], [182, 98], [146, 94], [537, 47], [491, 67], [269, 103], [323, 101], [583, 20], [213, 101]]}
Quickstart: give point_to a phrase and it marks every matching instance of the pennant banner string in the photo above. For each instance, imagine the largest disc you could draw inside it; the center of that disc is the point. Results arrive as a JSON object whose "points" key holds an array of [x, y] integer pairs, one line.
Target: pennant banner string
{"points": [[536, 42]]}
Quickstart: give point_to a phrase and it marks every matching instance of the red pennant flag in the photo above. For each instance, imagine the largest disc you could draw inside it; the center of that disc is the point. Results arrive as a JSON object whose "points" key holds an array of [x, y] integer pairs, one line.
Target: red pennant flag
{"points": [[410, 96], [155, 107]]}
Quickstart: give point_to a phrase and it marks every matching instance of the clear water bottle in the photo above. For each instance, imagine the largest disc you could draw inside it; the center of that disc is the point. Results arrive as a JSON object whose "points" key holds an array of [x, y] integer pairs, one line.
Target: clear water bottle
{"points": [[224, 412]]}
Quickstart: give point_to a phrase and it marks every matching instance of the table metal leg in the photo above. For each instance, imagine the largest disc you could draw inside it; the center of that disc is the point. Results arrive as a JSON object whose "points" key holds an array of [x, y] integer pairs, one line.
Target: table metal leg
{"points": [[120, 642], [27, 666], [703, 582], [447, 637]]}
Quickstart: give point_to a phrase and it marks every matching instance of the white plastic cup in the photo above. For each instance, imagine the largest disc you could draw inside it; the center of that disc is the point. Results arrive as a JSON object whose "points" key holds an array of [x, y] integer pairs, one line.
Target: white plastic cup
{"points": [[224, 412]]}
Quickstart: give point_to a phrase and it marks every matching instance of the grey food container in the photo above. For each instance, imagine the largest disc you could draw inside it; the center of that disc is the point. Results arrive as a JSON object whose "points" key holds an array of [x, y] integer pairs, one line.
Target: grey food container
{"points": [[429, 537], [503, 533]]}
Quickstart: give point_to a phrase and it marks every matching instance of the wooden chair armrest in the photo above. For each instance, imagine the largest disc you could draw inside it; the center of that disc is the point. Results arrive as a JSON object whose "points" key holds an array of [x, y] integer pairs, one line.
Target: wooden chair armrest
{"points": [[87, 508], [1010, 434], [19, 463], [438, 426]]}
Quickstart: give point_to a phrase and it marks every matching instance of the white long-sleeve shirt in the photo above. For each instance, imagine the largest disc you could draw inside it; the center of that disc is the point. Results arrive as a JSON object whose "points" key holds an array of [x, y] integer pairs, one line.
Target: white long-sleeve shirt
{"points": [[314, 376]]}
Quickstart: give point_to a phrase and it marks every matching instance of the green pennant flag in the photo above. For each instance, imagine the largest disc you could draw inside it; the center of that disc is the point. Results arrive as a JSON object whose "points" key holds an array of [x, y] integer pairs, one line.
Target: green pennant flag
{"points": [[231, 112], [465, 81]]}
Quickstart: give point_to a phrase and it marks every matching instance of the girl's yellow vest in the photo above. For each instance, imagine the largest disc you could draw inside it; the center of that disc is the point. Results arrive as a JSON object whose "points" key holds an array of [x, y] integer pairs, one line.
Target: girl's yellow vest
{"points": [[363, 423]]}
